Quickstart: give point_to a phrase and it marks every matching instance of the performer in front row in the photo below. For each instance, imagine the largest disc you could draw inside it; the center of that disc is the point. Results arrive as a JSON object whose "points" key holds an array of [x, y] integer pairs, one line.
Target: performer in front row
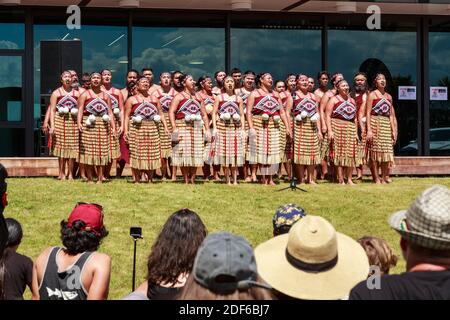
{"points": [[143, 114], [63, 125], [186, 117], [381, 130], [285, 144], [94, 120], [165, 95], [264, 112], [306, 131], [341, 119], [228, 128], [117, 109]]}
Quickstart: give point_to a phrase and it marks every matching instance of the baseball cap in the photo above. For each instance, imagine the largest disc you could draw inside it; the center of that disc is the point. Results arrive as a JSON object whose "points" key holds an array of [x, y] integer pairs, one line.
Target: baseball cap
{"points": [[226, 263], [89, 213]]}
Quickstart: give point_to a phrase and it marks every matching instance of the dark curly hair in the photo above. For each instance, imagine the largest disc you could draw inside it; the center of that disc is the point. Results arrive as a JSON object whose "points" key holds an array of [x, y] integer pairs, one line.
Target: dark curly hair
{"points": [[174, 250], [76, 240]]}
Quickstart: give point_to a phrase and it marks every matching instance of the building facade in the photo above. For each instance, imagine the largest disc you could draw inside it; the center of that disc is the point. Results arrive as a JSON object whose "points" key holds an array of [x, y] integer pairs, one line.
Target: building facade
{"points": [[412, 47]]}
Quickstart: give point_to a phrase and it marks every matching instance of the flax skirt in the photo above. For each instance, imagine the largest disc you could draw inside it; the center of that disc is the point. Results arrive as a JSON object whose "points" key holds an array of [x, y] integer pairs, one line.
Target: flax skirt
{"points": [[265, 147], [94, 143], [306, 143], [344, 149], [66, 141], [229, 145], [145, 146], [189, 151], [166, 142], [381, 148], [114, 143]]}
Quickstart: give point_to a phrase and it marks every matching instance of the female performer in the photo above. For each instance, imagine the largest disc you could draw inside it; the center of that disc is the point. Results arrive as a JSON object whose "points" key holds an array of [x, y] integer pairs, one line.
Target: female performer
{"points": [[94, 120], [186, 115], [228, 123], [306, 131], [285, 145], [341, 119], [381, 130], [63, 125], [204, 84], [165, 95], [144, 112], [117, 108], [264, 112]]}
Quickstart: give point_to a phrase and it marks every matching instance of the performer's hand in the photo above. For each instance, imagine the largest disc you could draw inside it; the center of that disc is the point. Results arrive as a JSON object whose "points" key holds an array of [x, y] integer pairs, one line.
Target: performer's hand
{"points": [[324, 129], [119, 132], [251, 132], [394, 138], [45, 128], [51, 131], [80, 127], [369, 136], [126, 136], [320, 135], [330, 135]]}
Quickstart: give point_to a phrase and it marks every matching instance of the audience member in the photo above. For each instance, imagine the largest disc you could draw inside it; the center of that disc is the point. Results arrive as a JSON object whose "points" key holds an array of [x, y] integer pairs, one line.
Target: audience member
{"points": [[172, 257], [225, 269], [379, 253], [312, 261], [76, 272], [19, 268], [285, 217], [425, 242]]}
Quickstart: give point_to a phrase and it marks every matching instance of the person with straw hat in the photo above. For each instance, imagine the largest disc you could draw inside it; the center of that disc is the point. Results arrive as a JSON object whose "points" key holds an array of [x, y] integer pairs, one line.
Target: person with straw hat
{"points": [[425, 243], [312, 261]]}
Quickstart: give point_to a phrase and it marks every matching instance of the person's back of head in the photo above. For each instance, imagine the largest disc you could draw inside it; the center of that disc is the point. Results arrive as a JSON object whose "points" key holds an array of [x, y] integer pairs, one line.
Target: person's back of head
{"points": [[15, 232], [84, 229], [225, 269], [285, 217], [379, 253], [175, 248]]}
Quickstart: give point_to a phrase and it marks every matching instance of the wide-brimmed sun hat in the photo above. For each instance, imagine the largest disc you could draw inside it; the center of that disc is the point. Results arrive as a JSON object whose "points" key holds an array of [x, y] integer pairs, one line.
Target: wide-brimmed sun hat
{"points": [[312, 261], [427, 221]]}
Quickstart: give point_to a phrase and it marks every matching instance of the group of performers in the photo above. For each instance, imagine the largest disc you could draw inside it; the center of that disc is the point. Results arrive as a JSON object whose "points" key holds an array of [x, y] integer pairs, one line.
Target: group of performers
{"points": [[243, 125]]}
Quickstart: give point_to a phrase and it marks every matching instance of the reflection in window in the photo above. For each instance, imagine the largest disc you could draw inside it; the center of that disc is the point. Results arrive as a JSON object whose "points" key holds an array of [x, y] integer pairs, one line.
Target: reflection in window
{"points": [[12, 35], [196, 51], [392, 53], [10, 88], [439, 51], [13, 142], [278, 51], [103, 47]]}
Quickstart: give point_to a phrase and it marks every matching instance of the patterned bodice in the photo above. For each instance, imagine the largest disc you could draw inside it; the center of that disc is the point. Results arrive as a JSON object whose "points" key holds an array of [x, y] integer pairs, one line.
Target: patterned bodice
{"points": [[114, 98], [229, 106], [165, 99], [307, 103], [187, 106], [145, 109], [381, 107], [95, 105], [267, 104], [68, 100], [344, 109]]}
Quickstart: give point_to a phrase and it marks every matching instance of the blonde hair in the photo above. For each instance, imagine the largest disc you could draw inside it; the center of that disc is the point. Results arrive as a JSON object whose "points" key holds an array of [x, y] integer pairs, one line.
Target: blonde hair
{"points": [[379, 253]]}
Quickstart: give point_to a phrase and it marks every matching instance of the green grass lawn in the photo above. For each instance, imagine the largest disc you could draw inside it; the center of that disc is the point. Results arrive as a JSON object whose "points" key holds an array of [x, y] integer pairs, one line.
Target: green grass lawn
{"points": [[41, 203]]}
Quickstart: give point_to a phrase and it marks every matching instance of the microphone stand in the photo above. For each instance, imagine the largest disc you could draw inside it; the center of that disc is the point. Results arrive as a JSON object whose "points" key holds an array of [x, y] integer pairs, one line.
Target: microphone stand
{"points": [[293, 183]]}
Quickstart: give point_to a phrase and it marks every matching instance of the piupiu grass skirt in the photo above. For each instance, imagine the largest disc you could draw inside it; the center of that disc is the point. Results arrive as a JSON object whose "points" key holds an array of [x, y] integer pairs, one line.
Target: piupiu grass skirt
{"points": [[306, 143], [265, 147], [94, 144], [381, 148], [189, 151], [166, 142], [66, 141], [344, 150], [145, 146], [229, 144]]}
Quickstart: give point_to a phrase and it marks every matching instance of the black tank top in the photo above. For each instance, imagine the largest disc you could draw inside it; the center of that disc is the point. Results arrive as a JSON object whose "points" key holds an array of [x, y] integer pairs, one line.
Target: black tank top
{"points": [[65, 285], [156, 292]]}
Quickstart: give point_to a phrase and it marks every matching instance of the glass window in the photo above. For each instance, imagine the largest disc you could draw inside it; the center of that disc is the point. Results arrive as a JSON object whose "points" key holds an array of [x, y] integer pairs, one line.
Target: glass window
{"points": [[11, 88], [103, 47], [196, 51], [278, 51], [13, 142], [439, 65], [390, 52], [12, 35]]}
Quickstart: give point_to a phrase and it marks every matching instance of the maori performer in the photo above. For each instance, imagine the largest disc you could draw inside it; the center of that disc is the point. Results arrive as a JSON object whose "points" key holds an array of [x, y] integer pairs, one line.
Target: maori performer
{"points": [[148, 73], [63, 125], [218, 76], [228, 123], [118, 111], [264, 113], [323, 78], [94, 120], [285, 144], [143, 114], [381, 130], [165, 95], [186, 115], [204, 85], [341, 119], [306, 131]]}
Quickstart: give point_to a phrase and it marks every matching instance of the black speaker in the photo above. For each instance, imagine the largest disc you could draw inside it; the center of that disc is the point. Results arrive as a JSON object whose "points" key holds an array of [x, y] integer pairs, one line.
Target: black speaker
{"points": [[57, 56]]}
